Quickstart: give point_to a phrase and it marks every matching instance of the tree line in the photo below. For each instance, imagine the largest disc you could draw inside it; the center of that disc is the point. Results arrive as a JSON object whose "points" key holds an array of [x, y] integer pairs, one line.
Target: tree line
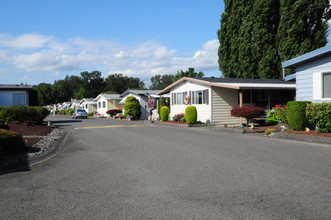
{"points": [[91, 84], [256, 36]]}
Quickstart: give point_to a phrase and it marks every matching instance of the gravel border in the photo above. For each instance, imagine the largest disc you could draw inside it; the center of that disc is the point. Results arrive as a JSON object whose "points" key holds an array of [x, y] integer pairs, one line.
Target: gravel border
{"points": [[45, 144]]}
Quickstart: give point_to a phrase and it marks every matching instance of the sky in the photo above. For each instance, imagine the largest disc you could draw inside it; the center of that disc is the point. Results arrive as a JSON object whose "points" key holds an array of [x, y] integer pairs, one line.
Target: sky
{"points": [[45, 40]]}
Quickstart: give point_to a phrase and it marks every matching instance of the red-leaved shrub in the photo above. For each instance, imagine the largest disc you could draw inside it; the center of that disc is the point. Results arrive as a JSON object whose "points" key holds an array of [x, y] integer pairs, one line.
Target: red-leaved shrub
{"points": [[112, 112], [247, 112]]}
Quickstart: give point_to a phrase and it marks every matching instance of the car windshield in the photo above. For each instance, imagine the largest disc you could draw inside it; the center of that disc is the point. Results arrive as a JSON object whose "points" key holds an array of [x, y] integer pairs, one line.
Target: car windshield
{"points": [[80, 110]]}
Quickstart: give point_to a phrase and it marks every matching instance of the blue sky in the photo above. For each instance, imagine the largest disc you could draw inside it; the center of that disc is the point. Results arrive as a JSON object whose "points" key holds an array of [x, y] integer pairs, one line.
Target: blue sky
{"points": [[45, 40]]}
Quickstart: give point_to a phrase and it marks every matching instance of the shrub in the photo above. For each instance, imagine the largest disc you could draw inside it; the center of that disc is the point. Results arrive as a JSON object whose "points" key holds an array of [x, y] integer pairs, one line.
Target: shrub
{"points": [[41, 114], [164, 113], [10, 142], [132, 107], [296, 115], [191, 114], [178, 117], [247, 112], [62, 112], [113, 112], [277, 115], [18, 114], [69, 111], [319, 115], [183, 119], [91, 113], [269, 131], [163, 101]]}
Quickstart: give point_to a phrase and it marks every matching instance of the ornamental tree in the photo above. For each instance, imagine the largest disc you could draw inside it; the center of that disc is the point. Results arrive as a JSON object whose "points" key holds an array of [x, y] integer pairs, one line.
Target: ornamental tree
{"points": [[247, 112]]}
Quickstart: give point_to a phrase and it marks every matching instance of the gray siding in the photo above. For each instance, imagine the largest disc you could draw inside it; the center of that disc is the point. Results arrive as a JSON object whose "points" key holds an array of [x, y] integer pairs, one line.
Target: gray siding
{"points": [[223, 100], [304, 77]]}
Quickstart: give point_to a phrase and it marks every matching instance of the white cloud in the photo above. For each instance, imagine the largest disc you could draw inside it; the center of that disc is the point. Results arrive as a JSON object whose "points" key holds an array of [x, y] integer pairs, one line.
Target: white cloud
{"points": [[24, 41], [37, 54]]}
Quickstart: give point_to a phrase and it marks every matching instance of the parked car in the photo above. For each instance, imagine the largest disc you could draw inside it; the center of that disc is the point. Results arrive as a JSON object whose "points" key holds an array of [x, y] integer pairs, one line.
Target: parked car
{"points": [[79, 113]]}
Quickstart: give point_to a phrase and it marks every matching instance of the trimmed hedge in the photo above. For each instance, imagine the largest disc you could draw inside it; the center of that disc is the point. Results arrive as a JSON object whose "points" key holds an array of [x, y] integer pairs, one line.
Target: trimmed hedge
{"points": [[191, 114], [20, 114], [296, 115], [164, 113], [319, 115]]}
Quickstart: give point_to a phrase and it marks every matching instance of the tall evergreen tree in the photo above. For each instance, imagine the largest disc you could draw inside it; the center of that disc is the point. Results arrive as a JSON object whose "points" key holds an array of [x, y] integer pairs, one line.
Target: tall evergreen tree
{"points": [[256, 35], [265, 53], [228, 51], [303, 26]]}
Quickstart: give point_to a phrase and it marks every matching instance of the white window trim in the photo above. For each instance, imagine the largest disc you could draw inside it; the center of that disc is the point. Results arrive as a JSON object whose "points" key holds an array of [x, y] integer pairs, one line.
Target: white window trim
{"points": [[318, 86]]}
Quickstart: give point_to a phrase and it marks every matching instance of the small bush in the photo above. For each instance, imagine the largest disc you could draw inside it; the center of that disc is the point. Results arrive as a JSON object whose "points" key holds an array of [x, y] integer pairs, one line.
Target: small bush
{"points": [[113, 112], [296, 115], [69, 111], [191, 114], [178, 117], [269, 131], [277, 115], [183, 119], [61, 112], [164, 113], [319, 115], [247, 112], [91, 113]]}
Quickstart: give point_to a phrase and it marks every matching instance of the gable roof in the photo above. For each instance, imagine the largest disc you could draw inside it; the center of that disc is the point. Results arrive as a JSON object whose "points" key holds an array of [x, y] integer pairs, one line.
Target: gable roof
{"points": [[108, 96], [234, 83], [307, 57], [140, 92]]}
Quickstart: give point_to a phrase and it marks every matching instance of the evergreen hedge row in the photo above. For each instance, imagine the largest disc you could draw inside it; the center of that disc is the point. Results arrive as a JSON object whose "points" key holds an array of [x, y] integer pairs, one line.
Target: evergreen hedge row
{"points": [[319, 115], [20, 114]]}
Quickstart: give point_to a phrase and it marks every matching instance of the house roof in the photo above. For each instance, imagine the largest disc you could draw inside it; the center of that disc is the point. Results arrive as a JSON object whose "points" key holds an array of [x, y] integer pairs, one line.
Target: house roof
{"points": [[140, 92], [234, 83], [108, 96], [307, 57], [88, 100], [15, 86]]}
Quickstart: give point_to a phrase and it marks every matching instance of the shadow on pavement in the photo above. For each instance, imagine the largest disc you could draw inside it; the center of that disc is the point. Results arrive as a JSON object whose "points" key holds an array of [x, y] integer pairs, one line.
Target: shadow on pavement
{"points": [[14, 156]]}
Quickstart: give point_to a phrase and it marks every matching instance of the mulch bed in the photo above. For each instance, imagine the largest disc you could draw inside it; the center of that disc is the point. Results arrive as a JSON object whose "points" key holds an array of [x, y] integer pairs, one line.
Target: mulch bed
{"points": [[310, 133], [26, 129]]}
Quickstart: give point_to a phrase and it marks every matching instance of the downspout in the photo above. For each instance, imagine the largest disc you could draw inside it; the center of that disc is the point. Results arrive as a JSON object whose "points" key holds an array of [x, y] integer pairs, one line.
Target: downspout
{"points": [[283, 73]]}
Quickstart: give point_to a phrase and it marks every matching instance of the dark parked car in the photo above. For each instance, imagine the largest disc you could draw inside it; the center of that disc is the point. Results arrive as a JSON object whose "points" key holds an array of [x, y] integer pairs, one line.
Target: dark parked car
{"points": [[79, 113]]}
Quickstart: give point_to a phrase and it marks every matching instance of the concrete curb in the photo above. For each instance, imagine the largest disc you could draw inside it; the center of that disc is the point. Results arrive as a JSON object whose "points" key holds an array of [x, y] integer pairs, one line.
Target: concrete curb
{"points": [[306, 138], [55, 150]]}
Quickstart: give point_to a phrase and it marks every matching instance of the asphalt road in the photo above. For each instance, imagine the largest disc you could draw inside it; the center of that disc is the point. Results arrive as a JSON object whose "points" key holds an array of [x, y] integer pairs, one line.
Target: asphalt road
{"points": [[111, 169]]}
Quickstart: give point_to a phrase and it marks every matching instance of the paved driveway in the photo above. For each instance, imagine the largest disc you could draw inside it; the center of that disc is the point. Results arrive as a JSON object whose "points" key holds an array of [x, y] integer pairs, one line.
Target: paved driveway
{"points": [[112, 169]]}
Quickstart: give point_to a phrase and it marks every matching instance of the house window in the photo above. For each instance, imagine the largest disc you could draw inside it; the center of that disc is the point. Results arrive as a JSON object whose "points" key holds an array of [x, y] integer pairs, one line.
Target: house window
{"points": [[19, 99], [200, 97], [104, 104], [197, 97], [178, 98], [99, 104], [326, 85]]}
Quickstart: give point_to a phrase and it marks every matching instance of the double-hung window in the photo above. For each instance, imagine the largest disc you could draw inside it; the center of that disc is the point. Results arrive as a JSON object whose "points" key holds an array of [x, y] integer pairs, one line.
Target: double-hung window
{"points": [[200, 97], [178, 98], [322, 85], [326, 78]]}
